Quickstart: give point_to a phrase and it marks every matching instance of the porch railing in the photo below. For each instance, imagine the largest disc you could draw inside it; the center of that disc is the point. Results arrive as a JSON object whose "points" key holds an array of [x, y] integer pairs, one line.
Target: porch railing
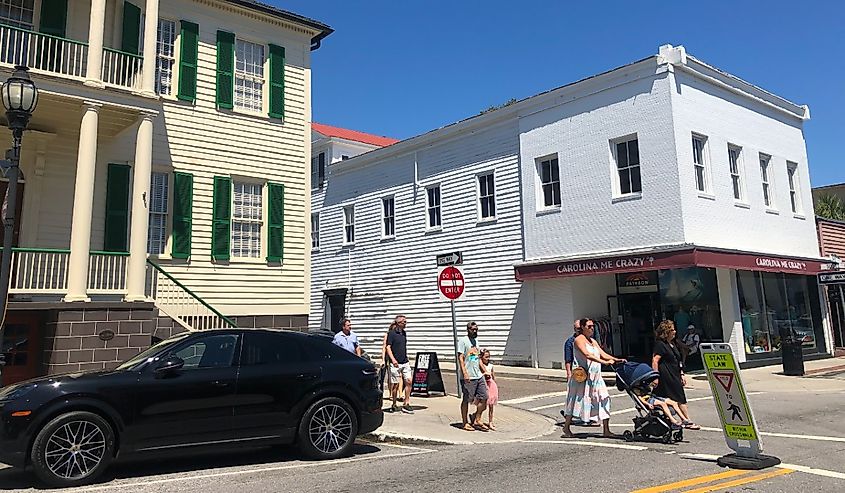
{"points": [[178, 302], [121, 68], [43, 52], [45, 271]]}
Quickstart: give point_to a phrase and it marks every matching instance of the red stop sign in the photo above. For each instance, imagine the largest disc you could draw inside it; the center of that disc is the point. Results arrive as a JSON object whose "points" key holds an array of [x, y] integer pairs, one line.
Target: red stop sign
{"points": [[451, 282]]}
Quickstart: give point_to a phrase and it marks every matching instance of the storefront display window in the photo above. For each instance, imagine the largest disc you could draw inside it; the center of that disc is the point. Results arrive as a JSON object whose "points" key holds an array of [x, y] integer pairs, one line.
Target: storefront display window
{"points": [[690, 296]]}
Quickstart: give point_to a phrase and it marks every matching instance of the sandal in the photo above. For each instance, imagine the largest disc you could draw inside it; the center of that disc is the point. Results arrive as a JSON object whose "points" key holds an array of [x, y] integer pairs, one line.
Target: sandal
{"points": [[491, 427], [481, 427], [467, 427], [691, 426]]}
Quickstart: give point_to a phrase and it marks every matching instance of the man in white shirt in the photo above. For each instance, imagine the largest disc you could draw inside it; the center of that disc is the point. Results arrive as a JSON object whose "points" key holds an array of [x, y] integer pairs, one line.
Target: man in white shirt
{"points": [[347, 339]]}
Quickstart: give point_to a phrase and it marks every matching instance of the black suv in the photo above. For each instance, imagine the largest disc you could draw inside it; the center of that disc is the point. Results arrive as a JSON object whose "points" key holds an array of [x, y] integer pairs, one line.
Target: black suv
{"points": [[194, 389]]}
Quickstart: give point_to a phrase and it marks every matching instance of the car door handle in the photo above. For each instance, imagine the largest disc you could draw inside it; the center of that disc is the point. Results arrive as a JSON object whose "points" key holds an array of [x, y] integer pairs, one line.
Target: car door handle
{"points": [[306, 376], [219, 383]]}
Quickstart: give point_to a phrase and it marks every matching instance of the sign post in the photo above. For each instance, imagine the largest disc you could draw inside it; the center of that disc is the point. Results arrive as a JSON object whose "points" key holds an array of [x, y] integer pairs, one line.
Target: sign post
{"points": [[450, 282], [733, 409]]}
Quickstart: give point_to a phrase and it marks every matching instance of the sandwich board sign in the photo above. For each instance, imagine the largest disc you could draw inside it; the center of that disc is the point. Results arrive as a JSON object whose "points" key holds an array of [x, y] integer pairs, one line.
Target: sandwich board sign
{"points": [[733, 409]]}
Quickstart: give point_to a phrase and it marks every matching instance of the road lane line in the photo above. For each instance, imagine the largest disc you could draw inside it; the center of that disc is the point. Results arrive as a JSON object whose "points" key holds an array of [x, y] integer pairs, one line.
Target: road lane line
{"points": [[692, 482], [741, 481], [709, 397], [523, 400], [251, 471], [809, 470], [787, 435], [590, 444]]}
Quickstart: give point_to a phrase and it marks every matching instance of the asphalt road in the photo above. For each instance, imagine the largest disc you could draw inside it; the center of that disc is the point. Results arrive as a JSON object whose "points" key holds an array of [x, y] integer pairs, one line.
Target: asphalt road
{"points": [[809, 428]]}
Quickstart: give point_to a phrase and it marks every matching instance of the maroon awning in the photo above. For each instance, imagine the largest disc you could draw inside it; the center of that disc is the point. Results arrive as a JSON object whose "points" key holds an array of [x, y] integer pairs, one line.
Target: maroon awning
{"points": [[674, 259]]}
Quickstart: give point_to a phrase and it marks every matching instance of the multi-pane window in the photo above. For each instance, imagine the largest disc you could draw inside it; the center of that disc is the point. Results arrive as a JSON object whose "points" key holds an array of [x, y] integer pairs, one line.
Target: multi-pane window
{"points": [[794, 198], [628, 167], [388, 218], [349, 224], [698, 160], [766, 181], [318, 170], [17, 13], [735, 164], [433, 206], [249, 76], [550, 181], [247, 216], [486, 196], [166, 56], [315, 231], [157, 228]]}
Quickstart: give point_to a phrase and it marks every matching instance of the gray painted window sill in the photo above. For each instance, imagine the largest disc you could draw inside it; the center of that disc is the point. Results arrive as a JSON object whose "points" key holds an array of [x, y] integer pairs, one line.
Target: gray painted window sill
{"points": [[627, 197], [548, 210], [769, 210], [742, 205], [431, 231], [705, 195], [799, 216]]}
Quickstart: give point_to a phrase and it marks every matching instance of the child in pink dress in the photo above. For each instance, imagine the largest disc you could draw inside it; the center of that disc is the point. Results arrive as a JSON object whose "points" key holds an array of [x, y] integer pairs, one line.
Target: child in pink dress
{"points": [[492, 388]]}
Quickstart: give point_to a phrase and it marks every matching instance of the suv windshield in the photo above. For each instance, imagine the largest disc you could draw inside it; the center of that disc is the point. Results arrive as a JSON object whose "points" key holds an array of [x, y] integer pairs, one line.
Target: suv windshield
{"points": [[144, 355]]}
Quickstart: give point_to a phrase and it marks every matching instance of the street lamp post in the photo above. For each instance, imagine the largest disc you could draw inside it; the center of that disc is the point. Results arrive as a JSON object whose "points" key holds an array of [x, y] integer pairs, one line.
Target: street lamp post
{"points": [[20, 96]]}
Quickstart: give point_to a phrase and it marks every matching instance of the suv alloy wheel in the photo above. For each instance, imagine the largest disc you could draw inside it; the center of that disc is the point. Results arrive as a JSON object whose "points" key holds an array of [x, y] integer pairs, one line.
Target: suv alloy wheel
{"points": [[72, 449], [328, 429]]}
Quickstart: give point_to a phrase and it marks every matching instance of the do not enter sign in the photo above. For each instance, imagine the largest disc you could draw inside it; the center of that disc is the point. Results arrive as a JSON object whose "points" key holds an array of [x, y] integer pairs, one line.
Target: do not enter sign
{"points": [[451, 282]]}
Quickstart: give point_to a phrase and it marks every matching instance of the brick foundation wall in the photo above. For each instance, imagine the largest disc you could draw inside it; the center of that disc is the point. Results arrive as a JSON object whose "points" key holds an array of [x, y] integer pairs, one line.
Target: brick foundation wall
{"points": [[290, 322]]}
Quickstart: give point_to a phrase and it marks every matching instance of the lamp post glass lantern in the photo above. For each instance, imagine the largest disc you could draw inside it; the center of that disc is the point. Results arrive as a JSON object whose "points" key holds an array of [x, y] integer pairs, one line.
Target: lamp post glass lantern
{"points": [[20, 97]]}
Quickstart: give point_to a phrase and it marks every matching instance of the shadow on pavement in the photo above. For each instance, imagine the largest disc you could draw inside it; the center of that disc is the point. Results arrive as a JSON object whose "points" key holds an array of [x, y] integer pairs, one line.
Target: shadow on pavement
{"points": [[171, 463]]}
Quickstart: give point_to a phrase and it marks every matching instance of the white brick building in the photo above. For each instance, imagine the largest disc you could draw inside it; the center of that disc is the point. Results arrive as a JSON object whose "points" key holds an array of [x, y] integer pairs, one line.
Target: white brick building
{"points": [[664, 188]]}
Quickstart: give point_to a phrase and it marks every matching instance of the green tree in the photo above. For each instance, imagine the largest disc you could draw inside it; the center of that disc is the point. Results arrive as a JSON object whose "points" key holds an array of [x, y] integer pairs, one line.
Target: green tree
{"points": [[831, 207]]}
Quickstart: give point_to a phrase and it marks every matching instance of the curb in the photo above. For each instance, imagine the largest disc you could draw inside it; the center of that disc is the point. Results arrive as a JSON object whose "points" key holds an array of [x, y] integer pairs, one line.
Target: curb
{"points": [[822, 371]]}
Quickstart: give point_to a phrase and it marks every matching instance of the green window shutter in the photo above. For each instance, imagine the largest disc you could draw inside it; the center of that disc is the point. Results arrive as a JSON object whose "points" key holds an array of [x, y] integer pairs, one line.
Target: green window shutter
{"points": [[276, 222], [183, 201], [277, 81], [188, 54], [221, 221], [117, 208], [131, 28], [225, 69], [53, 17]]}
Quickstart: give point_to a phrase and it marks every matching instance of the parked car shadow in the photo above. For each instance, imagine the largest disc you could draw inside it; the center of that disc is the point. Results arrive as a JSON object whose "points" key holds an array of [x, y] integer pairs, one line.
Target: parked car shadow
{"points": [[139, 466]]}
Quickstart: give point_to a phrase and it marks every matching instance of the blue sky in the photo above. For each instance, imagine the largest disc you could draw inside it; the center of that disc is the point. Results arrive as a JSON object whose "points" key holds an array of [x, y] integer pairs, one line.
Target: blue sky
{"points": [[403, 67]]}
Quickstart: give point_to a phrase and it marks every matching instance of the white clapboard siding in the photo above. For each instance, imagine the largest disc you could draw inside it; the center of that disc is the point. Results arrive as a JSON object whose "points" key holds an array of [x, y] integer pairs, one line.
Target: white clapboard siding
{"points": [[399, 275]]}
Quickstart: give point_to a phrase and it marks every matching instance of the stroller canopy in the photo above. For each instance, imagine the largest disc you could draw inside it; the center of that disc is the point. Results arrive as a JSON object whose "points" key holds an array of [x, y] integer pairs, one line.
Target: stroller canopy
{"points": [[634, 375]]}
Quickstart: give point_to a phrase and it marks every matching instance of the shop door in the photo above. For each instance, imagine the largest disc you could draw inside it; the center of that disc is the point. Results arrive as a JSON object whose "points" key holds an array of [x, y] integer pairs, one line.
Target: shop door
{"points": [[837, 314], [21, 346], [639, 322], [335, 309]]}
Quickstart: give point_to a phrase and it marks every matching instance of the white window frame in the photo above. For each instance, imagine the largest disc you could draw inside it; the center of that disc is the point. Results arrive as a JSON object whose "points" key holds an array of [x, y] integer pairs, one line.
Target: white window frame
{"points": [[794, 182], [736, 171], [701, 163], [20, 8], [479, 202], [767, 181], [237, 250], [256, 78], [349, 225], [315, 231], [159, 211], [437, 208], [165, 57], [615, 169], [552, 184], [388, 217]]}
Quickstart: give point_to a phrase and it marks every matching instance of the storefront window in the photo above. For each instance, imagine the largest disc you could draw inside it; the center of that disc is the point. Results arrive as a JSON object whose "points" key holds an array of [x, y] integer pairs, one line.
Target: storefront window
{"points": [[691, 297]]}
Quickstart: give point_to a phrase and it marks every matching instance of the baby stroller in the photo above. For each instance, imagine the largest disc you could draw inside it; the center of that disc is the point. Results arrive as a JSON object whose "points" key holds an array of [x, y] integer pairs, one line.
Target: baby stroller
{"points": [[634, 379]]}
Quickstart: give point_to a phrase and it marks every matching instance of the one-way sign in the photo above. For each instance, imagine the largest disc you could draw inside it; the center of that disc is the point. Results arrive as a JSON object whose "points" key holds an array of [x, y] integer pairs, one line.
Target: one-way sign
{"points": [[454, 258], [832, 278]]}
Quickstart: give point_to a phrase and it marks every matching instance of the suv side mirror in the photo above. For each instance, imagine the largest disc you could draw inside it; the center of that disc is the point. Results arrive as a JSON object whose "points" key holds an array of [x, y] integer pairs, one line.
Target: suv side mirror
{"points": [[169, 365]]}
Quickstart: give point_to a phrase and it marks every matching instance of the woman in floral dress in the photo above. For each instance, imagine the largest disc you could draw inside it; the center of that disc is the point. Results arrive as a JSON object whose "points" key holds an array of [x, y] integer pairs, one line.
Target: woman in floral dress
{"points": [[589, 400]]}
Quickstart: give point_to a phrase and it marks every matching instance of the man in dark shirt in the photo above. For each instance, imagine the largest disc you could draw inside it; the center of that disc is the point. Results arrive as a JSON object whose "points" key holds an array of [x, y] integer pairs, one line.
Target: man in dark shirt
{"points": [[400, 367]]}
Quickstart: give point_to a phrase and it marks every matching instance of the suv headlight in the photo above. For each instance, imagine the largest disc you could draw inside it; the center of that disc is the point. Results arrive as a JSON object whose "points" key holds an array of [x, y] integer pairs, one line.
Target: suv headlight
{"points": [[13, 392]]}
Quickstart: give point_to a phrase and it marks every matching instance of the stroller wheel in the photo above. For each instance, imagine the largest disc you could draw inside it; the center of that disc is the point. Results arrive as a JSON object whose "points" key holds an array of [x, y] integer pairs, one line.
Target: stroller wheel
{"points": [[679, 436], [667, 438], [628, 436]]}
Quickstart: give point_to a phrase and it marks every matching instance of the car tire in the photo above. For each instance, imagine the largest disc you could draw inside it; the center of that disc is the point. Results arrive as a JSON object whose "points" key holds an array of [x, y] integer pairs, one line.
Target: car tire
{"points": [[328, 429], [72, 449]]}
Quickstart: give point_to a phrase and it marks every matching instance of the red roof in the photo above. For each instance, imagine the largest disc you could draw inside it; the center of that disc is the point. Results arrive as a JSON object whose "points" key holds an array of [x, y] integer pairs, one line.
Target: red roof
{"points": [[343, 133]]}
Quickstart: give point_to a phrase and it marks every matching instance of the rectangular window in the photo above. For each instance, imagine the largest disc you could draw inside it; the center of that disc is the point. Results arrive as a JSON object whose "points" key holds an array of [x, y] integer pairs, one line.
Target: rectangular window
{"points": [[699, 162], [766, 181], [794, 197], [315, 231], [17, 13], [486, 196], [628, 167], [318, 171], [249, 76], [735, 164], [157, 228], [388, 218], [166, 56], [549, 174], [433, 206], [247, 216], [349, 225]]}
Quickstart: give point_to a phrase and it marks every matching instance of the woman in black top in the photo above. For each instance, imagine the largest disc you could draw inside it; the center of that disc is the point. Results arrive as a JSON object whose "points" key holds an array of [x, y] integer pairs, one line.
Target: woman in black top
{"points": [[666, 360]]}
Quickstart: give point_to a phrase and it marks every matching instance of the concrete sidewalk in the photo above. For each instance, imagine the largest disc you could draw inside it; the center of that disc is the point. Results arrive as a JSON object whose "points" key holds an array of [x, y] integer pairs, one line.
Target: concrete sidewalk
{"points": [[438, 420]]}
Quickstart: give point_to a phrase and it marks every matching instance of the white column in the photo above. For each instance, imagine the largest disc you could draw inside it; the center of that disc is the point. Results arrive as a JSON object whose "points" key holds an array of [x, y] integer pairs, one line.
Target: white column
{"points": [[83, 205], [150, 48], [94, 70], [142, 171]]}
